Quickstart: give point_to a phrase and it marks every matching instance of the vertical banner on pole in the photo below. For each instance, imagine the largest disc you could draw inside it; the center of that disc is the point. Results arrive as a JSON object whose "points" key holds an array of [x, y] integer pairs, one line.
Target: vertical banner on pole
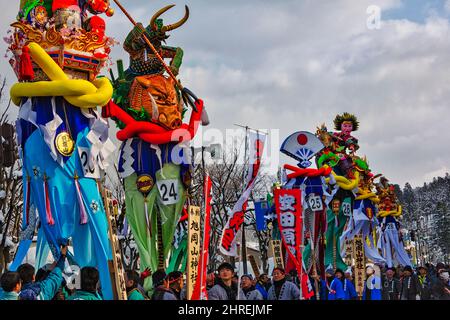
{"points": [[290, 222], [360, 264], [289, 213], [227, 244], [348, 252], [117, 273], [277, 253], [193, 249], [261, 208], [200, 292]]}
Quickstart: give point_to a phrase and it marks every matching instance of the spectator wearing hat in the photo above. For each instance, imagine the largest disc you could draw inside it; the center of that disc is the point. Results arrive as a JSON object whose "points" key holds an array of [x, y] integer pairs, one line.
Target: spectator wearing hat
{"points": [[281, 288], [336, 288], [391, 286], [441, 288], [409, 285], [425, 285], [249, 289], [225, 289]]}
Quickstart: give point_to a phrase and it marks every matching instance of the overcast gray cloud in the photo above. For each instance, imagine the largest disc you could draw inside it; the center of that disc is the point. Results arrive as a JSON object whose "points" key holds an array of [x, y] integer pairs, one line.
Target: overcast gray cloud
{"points": [[293, 65]]}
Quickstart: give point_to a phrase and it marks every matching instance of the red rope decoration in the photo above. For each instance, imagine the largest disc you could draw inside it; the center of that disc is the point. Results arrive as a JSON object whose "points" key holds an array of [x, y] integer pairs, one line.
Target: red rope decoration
{"points": [[309, 172]]}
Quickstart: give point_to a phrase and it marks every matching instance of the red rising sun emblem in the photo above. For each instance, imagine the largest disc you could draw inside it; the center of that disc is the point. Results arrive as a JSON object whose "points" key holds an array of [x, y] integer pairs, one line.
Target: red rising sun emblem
{"points": [[302, 139]]}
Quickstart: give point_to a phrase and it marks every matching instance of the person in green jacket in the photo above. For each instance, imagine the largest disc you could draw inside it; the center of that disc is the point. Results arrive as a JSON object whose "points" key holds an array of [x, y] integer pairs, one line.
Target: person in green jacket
{"points": [[11, 286], [132, 282], [89, 285]]}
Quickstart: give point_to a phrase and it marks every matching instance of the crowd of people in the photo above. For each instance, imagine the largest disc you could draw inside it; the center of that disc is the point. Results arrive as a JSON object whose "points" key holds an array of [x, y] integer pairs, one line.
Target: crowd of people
{"points": [[425, 283]]}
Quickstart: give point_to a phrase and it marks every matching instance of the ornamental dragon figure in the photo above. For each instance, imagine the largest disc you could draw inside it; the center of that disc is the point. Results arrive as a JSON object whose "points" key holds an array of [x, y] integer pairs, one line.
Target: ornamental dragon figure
{"points": [[148, 107], [57, 49]]}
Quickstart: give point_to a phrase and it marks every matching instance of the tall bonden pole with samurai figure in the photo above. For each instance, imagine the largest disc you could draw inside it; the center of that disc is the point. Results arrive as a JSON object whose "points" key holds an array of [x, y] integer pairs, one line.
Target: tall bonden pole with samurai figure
{"points": [[148, 106]]}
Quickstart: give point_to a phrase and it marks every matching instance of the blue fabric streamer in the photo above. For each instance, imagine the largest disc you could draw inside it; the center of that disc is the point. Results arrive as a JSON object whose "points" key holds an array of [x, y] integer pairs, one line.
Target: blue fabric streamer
{"points": [[90, 241], [261, 209]]}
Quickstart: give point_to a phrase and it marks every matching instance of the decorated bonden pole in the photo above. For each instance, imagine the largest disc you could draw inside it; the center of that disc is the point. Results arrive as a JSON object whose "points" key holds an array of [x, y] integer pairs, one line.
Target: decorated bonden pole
{"points": [[339, 152], [148, 107], [57, 49], [389, 210], [303, 146]]}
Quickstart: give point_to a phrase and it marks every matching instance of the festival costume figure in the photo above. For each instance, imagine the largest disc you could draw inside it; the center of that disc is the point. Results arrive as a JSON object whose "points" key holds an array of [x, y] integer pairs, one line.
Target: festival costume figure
{"points": [[155, 166], [389, 210], [63, 140]]}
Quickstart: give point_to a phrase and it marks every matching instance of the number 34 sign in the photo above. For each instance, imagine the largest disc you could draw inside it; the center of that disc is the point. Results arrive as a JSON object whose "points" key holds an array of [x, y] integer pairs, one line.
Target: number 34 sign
{"points": [[168, 190]]}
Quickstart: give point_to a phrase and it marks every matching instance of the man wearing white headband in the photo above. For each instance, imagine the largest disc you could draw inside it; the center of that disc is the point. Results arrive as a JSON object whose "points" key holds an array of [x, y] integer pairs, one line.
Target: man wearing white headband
{"points": [[349, 274]]}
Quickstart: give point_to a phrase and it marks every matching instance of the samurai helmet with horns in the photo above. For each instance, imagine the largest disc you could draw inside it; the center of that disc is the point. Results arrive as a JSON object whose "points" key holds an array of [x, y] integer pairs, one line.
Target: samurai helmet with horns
{"points": [[156, 27]]}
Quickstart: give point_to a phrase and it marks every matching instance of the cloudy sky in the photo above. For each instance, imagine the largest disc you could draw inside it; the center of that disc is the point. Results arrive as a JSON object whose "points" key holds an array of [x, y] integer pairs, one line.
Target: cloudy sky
{"points": [[294, 64]]}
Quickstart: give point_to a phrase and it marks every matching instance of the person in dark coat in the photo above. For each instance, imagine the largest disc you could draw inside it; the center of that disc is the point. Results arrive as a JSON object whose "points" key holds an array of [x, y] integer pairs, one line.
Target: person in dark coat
{"points": [[391, 286], [425, 284], [409, 285], [172, 287]]}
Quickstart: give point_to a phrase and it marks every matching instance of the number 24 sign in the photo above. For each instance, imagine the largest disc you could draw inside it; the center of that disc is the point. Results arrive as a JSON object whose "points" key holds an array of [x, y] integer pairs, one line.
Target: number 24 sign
{"points": [[168, 190]]}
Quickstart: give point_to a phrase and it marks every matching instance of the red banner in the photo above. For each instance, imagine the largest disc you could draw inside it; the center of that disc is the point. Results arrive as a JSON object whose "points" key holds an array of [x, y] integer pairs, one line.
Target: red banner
{"points": [[200, 292], [288, 206]]}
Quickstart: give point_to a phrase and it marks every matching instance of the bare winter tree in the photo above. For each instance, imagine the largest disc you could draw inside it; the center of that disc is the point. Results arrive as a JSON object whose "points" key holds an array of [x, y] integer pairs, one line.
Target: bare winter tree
{"points": [[227, 186], [11, 192]]}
